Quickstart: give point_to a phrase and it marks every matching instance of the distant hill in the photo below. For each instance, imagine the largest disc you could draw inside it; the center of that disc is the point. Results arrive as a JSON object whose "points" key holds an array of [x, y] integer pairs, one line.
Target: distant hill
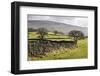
{"points": [[51, 26]]}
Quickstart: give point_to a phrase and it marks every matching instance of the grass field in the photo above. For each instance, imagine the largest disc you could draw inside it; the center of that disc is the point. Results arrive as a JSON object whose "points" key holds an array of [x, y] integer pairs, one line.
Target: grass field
{"points": [[50, 36], [63, 53]]}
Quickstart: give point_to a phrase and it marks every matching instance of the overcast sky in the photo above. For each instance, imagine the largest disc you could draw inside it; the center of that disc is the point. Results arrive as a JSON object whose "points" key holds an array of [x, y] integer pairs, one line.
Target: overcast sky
{"points": [[77, 21]]}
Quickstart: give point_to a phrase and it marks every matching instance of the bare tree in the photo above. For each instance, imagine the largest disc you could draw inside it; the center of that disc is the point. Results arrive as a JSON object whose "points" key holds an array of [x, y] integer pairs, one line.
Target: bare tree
{"points": [[55, 32], [42, 33], [76, 35]]}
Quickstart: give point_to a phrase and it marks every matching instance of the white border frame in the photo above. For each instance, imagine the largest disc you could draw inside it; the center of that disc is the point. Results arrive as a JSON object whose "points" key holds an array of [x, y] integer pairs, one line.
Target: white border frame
{"points": [[24, 64]]}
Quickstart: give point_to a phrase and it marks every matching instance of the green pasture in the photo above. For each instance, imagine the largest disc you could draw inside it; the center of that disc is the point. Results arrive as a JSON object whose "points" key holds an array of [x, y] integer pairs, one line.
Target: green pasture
{"points": [[50, 36]]}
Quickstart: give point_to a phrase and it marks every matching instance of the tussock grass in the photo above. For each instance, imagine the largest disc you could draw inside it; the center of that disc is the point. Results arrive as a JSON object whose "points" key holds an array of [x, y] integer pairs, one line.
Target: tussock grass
{"points": [[79, 52]]}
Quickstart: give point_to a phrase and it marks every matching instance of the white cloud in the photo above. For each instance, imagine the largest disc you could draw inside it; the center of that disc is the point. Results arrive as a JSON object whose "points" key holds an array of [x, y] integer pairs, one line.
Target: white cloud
{"points": [[77, 21]]}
